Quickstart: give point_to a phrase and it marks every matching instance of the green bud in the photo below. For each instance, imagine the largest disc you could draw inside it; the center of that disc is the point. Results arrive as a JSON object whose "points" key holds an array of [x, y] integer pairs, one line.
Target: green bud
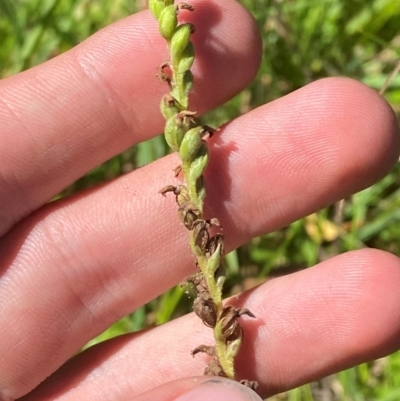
{"points": [[214, 261], [168, 22], [191, 144], [174, 133], [218, 334], [232, 348], [168, 107], [220, 282], [199, 164], [186, 59], [179, 41], [156, 6]]}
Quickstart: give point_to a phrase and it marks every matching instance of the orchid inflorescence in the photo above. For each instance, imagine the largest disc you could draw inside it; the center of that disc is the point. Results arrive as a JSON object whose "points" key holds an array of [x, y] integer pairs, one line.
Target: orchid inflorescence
{"points": [[186, 136]]}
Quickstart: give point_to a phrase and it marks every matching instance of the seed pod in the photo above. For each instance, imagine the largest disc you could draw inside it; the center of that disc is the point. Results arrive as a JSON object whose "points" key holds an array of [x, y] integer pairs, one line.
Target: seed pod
{"points": [[190, 145], [188, 214], [228, 328], [233, 331], [206, 310], [229, 324], [168, 22], [214, 242], [180, 40], [200, 234]]}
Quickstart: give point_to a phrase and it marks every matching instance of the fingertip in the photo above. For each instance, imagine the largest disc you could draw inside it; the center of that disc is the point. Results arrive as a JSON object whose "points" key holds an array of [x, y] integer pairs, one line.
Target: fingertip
{"points": [[346, 308], [219, 389], [224, 48], [311, 148], [361, 110], [200, 389]]}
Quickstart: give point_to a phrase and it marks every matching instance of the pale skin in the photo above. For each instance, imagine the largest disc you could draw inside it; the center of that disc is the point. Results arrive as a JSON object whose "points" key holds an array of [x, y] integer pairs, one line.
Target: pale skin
{"points": [[71, 268]]}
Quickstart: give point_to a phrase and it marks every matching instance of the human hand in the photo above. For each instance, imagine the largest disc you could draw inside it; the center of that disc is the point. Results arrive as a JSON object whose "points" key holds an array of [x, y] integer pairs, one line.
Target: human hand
{"points": [[71, 268]]}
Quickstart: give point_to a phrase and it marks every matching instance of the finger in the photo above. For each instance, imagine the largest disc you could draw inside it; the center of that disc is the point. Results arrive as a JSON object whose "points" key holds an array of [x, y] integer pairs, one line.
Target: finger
{"points": [[126, 241], [63, 118], [308, 325], [298, 154], [199, 389]]}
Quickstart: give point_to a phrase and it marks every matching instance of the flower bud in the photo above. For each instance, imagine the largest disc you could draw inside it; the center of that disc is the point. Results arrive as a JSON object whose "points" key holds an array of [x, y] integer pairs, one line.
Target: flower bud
{"points": [[168, 22], [168, 106], [156, 6], [214, 261], [191, 144], [179, 41], [174, 133]]}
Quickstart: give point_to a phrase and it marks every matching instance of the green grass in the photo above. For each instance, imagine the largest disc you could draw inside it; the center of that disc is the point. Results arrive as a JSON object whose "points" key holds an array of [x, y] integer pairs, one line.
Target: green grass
{"points": [[303, 41]]}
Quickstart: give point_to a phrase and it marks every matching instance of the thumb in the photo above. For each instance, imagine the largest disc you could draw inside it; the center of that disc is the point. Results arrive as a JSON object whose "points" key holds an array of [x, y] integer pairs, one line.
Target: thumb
{"points": [[203, 388]]}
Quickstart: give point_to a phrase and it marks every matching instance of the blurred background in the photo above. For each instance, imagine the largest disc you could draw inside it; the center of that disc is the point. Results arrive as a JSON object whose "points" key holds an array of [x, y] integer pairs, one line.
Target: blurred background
{"points": [[303, 40]]}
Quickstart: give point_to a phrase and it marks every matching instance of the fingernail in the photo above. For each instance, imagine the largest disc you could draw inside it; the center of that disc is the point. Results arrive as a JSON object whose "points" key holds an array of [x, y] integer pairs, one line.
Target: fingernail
{"points": [[221, 390]]}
